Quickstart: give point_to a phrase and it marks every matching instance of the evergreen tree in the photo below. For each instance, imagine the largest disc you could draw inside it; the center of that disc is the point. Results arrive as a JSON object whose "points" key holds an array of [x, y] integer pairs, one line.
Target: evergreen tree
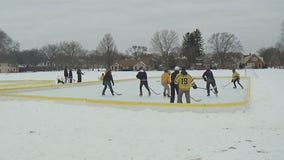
{"points": [[192, 46], [198, 43], [7, 47]]}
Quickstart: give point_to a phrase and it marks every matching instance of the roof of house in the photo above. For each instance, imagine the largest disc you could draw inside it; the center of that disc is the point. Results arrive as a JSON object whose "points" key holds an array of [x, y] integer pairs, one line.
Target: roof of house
{"points": [[248, 57], [128, 63]]}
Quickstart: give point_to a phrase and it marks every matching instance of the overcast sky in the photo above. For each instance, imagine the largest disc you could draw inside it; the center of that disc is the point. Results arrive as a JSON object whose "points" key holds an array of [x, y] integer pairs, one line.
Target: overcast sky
{"points": [[35, 23]]}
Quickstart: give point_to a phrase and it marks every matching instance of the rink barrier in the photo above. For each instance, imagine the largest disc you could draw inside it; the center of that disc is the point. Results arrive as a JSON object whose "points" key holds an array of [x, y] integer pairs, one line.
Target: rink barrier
{"points": [[116, 102], [13, 83], [21, 86], [48, 84]]}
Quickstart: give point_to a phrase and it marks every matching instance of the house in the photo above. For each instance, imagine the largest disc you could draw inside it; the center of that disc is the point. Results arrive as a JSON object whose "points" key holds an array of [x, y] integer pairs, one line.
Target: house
{"points": [[147, 62], [128, 65], [233, 60], [8, 68], [253, 61]]}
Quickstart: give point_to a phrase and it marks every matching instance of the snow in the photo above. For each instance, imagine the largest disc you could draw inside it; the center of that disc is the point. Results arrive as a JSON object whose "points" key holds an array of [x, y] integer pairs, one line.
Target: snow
{"points": [[71, 130]]}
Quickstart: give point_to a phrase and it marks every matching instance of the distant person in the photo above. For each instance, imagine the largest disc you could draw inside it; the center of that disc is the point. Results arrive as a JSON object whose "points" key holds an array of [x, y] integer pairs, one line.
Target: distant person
{"points": [[102, 76], [66, 74], [183, 80], [236, 78], [210, 80], [174, 87], [70, 76], [107, 80], [165, 81], [79, 75], [142, 76]]}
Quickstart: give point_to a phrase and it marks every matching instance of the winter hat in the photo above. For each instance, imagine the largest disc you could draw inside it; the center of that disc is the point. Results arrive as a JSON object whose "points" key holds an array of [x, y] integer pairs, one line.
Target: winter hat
{"points": [[183, 71], [176, 68]]}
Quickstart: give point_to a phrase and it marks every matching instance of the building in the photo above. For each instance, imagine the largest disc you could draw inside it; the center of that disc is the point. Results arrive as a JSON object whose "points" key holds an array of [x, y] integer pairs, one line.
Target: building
{"points": [[233, 60], [253, 61], [148, 62], [128, 65], [8, 68]]}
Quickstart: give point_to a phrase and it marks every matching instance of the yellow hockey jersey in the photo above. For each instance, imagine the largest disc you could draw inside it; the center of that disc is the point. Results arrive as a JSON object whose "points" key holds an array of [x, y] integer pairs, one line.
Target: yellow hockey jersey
{"points": [[165, 78], [236, 75], [183, 81]]}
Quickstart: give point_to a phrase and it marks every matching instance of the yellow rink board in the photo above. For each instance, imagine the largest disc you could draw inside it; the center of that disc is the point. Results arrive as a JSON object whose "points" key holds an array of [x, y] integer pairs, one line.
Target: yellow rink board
{"points": [[7, 91]]}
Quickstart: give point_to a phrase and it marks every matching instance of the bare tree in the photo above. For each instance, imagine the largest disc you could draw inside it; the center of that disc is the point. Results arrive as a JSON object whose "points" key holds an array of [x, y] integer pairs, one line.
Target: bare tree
{"points": [[71, 51], [108, 48], [224, 43], [271, 56], [64, 54], [71, 48], [50, 51], [7, 46], [137, 51], [280, 43], [165, 42]]}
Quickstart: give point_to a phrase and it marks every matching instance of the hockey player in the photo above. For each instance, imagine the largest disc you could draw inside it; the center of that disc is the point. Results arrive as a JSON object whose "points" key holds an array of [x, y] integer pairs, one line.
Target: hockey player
{"points": [[165, 81], [236, 78], [183, 80], [107, 80], [174, 87], [210, 80], [142, 76], [102, 76]]}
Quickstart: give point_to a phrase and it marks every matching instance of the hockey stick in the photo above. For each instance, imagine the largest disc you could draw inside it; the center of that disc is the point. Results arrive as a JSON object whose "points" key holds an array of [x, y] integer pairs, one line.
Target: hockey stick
{"points": [[211, 89], [226, 84], [154, 91], [195, 100], [117, 93], [202, 88]]}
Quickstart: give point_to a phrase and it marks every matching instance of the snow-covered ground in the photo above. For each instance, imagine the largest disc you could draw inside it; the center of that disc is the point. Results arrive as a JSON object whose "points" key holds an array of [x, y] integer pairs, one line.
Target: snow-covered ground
{"points": [[47, 129]]}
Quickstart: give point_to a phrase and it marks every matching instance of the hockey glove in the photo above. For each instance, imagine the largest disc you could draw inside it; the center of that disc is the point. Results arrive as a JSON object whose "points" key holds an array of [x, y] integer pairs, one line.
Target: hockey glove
{"points": [[194, 86]]}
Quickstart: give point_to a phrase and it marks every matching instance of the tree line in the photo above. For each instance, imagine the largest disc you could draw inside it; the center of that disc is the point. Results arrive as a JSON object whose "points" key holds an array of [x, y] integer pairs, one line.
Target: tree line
{"points": [[274, 55], [164, 46]]}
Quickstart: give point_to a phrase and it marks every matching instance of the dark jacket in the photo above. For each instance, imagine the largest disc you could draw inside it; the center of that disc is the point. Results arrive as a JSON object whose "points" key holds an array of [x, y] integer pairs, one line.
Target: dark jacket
{"points": [[208, 75], [173, 77], [65, 72], [142, 75], [108, 77], [70, 74], [79, 72]]}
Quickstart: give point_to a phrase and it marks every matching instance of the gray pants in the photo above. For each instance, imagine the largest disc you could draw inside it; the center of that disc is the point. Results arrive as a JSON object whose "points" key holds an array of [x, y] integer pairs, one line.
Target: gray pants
{"points": [[66, 79], [166, 89], [213, 83], [187, 95]]}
